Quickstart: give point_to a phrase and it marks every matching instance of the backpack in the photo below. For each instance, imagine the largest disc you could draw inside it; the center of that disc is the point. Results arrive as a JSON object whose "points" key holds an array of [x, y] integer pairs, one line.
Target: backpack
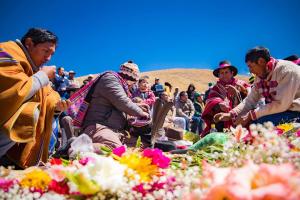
{"points": [[80, 101]]}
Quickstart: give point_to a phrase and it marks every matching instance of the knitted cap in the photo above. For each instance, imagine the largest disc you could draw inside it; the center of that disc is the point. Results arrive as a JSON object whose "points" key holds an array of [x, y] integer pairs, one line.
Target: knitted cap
{"points": [[130, 69]]}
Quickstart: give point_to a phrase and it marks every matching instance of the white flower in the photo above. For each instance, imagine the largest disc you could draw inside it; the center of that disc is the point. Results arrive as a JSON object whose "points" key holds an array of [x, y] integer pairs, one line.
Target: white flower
{"points": [[106, 172]]}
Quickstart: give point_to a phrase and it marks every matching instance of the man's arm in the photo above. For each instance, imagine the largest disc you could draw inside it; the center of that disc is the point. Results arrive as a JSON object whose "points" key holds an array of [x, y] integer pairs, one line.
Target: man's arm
{"points": [[40, 79], [248, 103], [179, 112], [192, 108], [117, 96], [288, 86]]}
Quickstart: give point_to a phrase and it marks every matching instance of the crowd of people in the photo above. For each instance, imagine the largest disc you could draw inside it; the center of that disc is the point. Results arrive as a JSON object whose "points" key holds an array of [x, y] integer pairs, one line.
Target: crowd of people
{"points": [[44, 109]]}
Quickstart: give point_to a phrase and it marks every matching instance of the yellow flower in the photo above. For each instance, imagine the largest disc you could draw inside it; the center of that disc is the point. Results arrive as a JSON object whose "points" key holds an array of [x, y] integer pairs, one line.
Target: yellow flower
{"points": [[36, 178], [141, 165], [85, 186], [286, 127]]}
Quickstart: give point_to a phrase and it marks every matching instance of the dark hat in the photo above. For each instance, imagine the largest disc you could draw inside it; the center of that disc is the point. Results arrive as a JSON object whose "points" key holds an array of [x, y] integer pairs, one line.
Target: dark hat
{"points": [[223, 65]]}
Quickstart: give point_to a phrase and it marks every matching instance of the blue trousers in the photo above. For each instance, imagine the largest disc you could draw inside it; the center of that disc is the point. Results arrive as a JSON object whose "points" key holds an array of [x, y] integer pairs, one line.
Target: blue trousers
{"points": [[280, 118], [197, 124]]}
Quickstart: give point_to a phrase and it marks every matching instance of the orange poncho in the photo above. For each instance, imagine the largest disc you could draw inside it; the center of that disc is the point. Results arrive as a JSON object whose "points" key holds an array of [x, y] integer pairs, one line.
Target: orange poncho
{"points": [[32, 136]]}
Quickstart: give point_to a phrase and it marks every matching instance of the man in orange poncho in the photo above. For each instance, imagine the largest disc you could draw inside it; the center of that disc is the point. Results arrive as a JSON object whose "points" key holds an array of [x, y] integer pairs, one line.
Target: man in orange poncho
{"points": [[27, 102]]}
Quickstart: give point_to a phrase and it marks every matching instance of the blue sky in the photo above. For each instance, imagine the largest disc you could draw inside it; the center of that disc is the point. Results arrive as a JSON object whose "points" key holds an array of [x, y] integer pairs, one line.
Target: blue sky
{"points": [[98, 35]]}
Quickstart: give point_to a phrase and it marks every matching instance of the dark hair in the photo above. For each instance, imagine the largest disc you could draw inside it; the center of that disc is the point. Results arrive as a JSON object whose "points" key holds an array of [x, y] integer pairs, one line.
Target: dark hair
{"points": [[258, 52], [292, 58], [143, 78], [39, 35], [182, 93], [168, 84], [191, 85], [224, 62]]}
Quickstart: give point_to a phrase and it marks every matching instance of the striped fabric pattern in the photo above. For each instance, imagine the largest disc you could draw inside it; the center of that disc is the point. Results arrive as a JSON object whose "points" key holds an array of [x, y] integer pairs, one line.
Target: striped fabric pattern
{"points": [[6, 58], [79, 103]]}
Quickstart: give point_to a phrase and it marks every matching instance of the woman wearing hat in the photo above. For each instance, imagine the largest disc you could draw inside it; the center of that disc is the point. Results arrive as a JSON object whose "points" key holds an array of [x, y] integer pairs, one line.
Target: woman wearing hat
{"points": [[227, 93]]}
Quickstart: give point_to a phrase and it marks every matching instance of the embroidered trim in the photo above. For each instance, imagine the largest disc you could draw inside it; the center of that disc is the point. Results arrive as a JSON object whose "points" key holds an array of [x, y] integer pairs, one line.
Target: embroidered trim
{"points": [[253, 115]]}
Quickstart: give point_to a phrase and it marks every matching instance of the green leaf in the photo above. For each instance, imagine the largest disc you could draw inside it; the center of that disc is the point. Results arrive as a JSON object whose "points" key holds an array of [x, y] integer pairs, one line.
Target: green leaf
{"points": [[138, 142]]}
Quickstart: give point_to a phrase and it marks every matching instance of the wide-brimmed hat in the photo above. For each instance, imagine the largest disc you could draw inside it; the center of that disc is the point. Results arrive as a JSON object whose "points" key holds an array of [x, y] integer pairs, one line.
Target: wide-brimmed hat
{"points": [[72, 72], [223, 65]]}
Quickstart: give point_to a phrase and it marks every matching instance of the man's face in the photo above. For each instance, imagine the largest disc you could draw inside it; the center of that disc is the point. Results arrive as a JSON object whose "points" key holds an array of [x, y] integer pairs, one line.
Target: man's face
{"points": [[40, 53], [71, 75], [61, 71], [184, 98], [258, 68], [225, 74], [199, 99], [164, 96]]}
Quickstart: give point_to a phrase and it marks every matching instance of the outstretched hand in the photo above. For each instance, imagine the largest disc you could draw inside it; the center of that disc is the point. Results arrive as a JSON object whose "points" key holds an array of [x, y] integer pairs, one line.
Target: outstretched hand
{"points": [[222, 117], [243, 120]]}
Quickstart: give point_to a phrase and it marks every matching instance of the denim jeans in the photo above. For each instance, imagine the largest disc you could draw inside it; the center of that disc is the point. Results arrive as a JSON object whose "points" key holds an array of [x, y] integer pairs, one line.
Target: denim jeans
{"points": [[197, 124], [280, 118]]}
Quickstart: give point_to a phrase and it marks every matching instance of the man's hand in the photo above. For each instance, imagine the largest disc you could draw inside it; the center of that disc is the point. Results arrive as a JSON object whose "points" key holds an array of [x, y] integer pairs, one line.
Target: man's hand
{"points": [[63, 105], [243, 120], [144, 107], [222, 117], [49, 70], [146, 115]]}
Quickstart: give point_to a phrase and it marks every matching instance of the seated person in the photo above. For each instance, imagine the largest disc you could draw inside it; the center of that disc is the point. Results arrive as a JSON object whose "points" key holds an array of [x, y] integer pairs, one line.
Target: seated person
{"points": [[185, 108], [171, 119], [230, 90], [106, 117], [199, 107], [278, 82], [144, 93]]}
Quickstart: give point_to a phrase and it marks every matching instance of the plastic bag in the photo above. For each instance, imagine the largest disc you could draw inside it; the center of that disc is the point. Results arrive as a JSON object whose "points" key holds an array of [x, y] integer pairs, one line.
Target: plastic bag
{"points": [[210, 139], [83, 143]]}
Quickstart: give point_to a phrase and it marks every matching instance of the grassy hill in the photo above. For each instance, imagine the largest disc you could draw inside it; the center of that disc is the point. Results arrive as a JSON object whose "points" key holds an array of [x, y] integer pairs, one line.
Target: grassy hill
{"points": [[181, 78]]}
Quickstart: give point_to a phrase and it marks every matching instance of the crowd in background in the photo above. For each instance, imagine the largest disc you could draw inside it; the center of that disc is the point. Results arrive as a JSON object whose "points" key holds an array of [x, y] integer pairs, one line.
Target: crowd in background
{"points": [[45, 109]]}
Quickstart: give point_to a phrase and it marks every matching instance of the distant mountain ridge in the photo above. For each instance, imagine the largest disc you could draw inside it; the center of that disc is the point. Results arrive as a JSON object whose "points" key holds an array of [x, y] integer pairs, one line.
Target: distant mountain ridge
{"points": [[181, 78]]}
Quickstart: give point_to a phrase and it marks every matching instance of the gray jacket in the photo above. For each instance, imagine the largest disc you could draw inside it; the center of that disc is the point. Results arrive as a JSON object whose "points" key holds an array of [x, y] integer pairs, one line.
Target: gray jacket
{"points": [[185, 109], [110, 104]]}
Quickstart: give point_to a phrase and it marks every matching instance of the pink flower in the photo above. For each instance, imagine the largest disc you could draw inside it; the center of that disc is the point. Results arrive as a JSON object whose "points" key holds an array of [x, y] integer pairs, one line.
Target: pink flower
{"points": [[5, 184], [119, 151], [228, 191], [273, 191], [279, 131], [157, 157], [140, 188], [298, 133], [86, 160], [57, 172]]}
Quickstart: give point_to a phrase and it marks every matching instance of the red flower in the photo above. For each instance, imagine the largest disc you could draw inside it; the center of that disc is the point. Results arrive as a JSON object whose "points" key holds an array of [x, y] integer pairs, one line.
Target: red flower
{"points": [[5, 184], [59, 187], [55, 161]]}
